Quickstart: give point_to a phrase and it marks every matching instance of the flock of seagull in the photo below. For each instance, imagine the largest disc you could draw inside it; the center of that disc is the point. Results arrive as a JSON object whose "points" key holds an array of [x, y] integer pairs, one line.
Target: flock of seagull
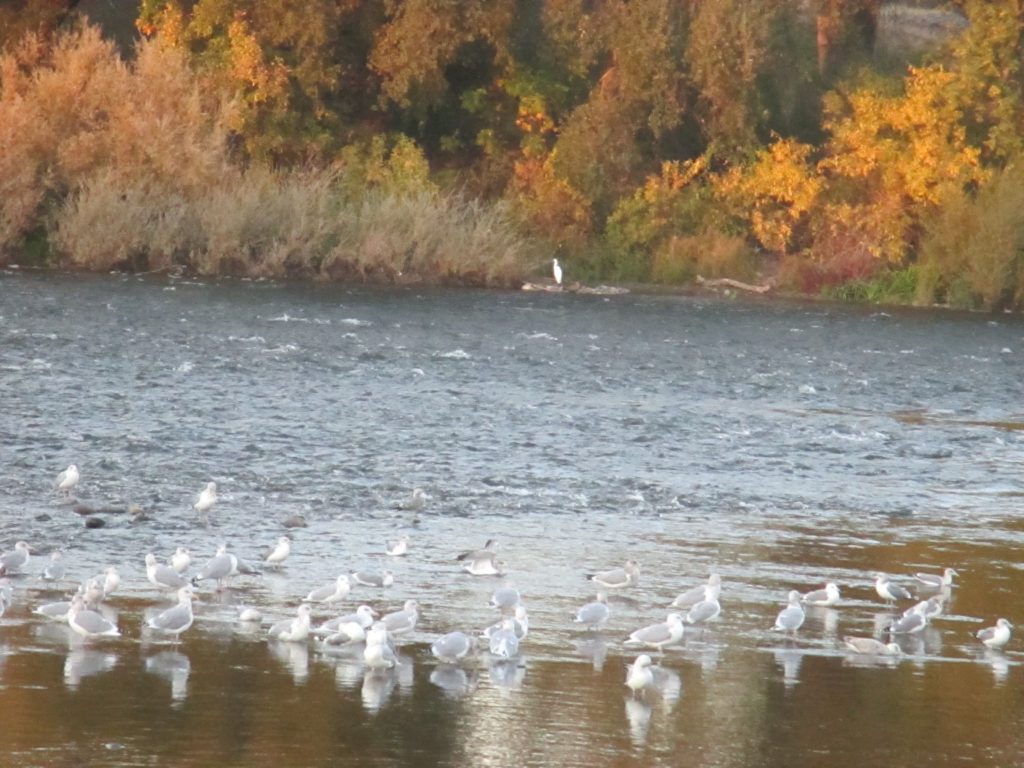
{"points": [[375, 636]]}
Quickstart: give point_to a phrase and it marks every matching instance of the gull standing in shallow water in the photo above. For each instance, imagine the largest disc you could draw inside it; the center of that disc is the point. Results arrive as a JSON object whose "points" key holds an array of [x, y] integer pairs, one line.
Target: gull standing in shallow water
{"points": [[398, 547], [503, 642], [868, 646], [292, 630], [401, 622], [453, 647], [163, 576], [618, 578], [931, 581], [177, 619], [594, 615], [659, 635], [363, 616], [997, 636], [330, 593], [368, 579], [711, 590], [180, 560], [55, 570], [827, 596], [706, 610], [280, 552], [912, 621], [791, 617], [207, 498], [506, 599], [520, 624], [11, 562], [219, 567], [67, 480], [89, 623], [639, 675], [889, 591]]}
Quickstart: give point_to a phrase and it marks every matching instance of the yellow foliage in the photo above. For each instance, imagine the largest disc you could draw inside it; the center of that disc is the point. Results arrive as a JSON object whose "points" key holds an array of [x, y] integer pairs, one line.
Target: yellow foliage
{"points": [[551, 206], [776, 193]]}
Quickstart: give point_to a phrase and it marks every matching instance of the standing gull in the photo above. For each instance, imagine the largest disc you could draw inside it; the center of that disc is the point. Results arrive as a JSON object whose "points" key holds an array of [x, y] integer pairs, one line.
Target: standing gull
{"points": [[505, 599], [704, 611], [911, 622], [180, 560], [503, 642], [177, 619], [618, 578], [280, 552], [997, 636], [163, 576], [363, 616], [398, 547], [111, 581], [292, 630], [594, 615], [889, 591], [931, 581], [67, 480], [207, 498], [639, 675], [369, 579], [520, 624], [11, 562], [693, 596], [827, 596], [791, 617], [54, 571], [414, 503], [659, 635], [453, 647], [401, 622], [330, 593], [219, 567], [89, 623], [379, 652]]}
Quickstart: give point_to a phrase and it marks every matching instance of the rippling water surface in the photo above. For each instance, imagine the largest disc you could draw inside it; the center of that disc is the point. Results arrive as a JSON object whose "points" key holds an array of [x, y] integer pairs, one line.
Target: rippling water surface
{"points": [[781, 445]]}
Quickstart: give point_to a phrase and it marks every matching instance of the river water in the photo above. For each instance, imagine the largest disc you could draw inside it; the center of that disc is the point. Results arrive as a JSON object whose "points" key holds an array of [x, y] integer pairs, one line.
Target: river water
{"points": [[781, 445]]}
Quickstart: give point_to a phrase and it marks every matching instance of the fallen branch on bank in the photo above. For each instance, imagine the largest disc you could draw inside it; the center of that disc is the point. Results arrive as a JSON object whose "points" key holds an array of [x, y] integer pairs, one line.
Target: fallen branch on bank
{"points": [[728, 282]]}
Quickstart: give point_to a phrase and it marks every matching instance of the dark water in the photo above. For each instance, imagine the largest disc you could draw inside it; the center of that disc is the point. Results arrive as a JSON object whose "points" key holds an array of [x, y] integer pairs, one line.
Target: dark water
{"points": [[780, 445]]}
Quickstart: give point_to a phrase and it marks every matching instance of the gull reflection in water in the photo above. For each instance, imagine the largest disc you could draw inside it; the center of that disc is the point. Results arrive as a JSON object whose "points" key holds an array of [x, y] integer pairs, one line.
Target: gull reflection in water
{"points": [[595, 649], [507, 674], [669, 685], [295, 656], [790, 660], [172, 666], [638, 713], [453, 680], [82, 662], [348, 673], [377, 687], [999, 663]]}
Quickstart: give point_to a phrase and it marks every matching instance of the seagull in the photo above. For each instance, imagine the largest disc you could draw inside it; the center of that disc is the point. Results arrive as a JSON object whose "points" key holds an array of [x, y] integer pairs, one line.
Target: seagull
{"points": [[485, 566], [67, 480], [57, 611], [207, 498], [403, 621], [453, 647], [414, 503], [398, 547], [931, 581], [704, 611], [659, 635], [487, 551], [556, 271], [594, 615], [111, 581], [871, 647], [177, 619], [89, 623], [693, 596], [55, 570], [997, 636], [219, 567], [249, 614], [640, 676], [827, 596], [617, 578], [292, 630], [505, 599], [13, 561], [911, 622], [363, 616], [929, 608], [503, 641], [92, 592], [792, 616], [520, 624], [163, 576], [346, 633], [280, 552], [330, 593], [367, 579], [889, 591], [379, 653], [180, 560]]}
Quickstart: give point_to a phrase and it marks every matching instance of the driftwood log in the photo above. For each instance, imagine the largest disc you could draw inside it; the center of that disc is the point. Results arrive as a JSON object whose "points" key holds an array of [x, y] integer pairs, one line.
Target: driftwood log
{"points": [[728, 282]]}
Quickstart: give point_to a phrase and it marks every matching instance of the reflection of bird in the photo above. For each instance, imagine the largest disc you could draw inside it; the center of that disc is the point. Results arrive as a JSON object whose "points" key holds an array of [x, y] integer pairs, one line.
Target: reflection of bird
{"points": [[556, 271], [870, 646], [67, 480], [997, 636]]}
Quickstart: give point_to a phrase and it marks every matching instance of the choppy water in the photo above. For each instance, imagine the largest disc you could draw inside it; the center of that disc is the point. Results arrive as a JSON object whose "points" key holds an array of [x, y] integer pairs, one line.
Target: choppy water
{"points": [[781, 445]]}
